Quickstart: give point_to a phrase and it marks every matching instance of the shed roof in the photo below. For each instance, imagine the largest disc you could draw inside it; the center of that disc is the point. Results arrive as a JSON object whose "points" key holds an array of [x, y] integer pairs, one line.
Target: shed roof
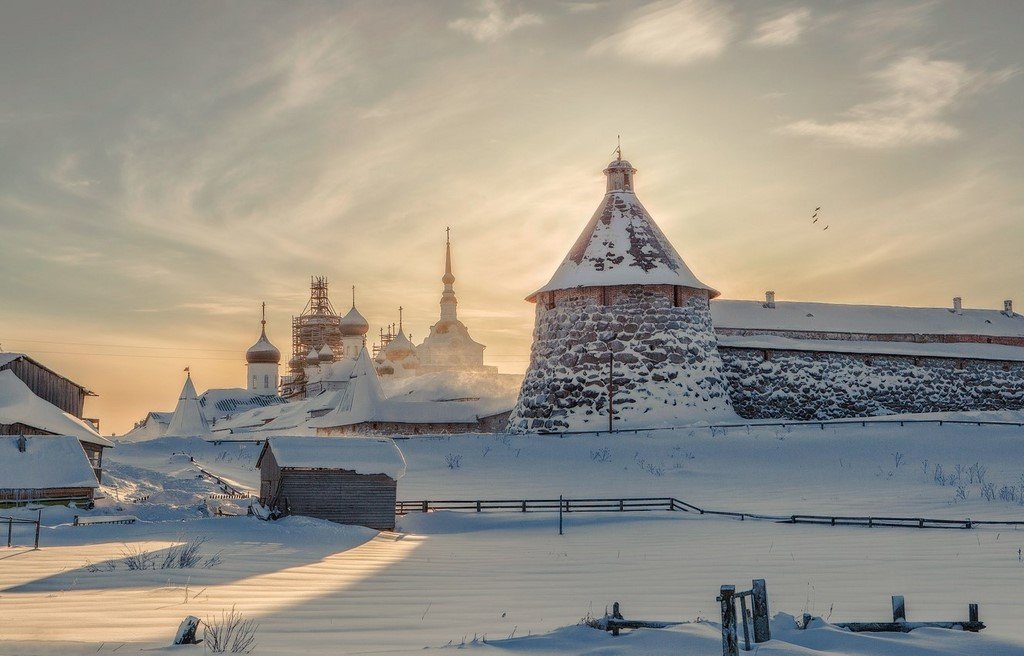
{"points": [[362, 455], [7, 358], [48, 461], [877, 319]]}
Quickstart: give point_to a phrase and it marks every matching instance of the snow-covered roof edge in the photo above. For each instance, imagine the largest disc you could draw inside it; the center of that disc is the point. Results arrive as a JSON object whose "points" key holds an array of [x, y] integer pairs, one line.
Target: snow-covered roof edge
{"points": [[361, 455]]}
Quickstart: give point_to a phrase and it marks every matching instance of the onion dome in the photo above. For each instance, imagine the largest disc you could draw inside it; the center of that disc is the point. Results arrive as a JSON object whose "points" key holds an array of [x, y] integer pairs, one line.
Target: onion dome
{"points": [[312, 357], [326, 354], [263, 351], [353, 324], [399, 347]]}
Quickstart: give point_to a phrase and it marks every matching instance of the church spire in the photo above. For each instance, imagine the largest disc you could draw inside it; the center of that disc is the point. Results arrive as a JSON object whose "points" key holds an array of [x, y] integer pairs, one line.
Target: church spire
{"points": [[449, 303]]}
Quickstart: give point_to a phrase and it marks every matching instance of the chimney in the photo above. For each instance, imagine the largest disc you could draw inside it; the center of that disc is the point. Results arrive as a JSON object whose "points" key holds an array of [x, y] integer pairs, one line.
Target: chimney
{"points": [[769, 299], [958, 305], [21, 443], [1008, 307]]}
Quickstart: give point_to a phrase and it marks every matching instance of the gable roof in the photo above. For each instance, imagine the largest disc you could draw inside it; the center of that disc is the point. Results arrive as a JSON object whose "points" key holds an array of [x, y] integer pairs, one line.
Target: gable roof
{"points": [[18, 405], [362, 455], [621, 245], [48, 461]]}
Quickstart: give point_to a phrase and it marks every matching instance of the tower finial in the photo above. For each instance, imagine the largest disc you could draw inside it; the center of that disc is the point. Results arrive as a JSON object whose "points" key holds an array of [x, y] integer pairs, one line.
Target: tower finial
{"points": [[618, 147], [399, 318], [353, 295], [263, 321]]}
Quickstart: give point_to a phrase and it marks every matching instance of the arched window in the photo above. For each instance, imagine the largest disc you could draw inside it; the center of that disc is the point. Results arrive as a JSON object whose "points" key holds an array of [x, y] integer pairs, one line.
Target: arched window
{"points": [[266, 381], [254, 381]]}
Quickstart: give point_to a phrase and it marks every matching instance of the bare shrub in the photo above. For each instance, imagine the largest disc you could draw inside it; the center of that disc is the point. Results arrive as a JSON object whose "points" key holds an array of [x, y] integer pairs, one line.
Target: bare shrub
{"points": [[1008, 493], [136, 558], [977, 473], [961, 493], [988, 491], [939, 477], [102, 566], [897, 458], [230, 633], [453, 460], [601, 455]]}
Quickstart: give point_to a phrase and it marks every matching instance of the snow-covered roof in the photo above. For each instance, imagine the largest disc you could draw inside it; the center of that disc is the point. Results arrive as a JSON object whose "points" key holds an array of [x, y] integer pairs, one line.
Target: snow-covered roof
{"points": [[879, 319], [362, 455], [18, 405], [48, 461], [188, 419], [971, 350], [621, 245], [221, 402]]}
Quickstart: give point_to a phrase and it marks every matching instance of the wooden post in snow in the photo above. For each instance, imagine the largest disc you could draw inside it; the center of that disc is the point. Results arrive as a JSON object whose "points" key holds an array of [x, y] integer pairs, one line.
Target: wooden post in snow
{"points": [[186, 634], [746, 629], [559, 514], [611, 407], [39, 522], [762, 632], [899, 609], [730, 644], [972, 612]]}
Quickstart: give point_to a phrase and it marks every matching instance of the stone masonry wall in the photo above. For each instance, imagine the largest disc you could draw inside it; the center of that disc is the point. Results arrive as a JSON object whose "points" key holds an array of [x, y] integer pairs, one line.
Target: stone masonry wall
{"points": [[667, 369], [825, 385]]}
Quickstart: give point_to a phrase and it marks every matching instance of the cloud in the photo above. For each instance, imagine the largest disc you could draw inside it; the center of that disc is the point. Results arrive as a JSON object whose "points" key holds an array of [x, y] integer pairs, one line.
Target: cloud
{"points": [[671, 33], [783, 30], [495, 22], [918, 93]]}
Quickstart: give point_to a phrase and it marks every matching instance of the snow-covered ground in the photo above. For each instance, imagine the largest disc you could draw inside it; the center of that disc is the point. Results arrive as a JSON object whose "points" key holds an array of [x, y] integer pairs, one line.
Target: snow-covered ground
{"points": [[447, 578]]}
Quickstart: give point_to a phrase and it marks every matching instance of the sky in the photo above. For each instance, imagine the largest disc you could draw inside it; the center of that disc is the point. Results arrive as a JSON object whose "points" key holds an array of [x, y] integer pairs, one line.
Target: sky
{"points": [[166, 167]]}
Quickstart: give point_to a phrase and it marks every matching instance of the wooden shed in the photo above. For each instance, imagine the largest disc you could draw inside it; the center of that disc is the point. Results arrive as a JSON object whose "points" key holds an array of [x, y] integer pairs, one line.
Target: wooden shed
{"points": [[46, 383], [349, 480], [44, 469]]}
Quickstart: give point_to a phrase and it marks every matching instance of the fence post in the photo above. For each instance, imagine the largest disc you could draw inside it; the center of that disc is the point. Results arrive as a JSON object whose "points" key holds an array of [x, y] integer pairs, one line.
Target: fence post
{"points": [[39, 522], [426, 505], [899, 609], [762, 632], [559, 514], [746, 630], [972, 612], [10, 525], [730, 644]]}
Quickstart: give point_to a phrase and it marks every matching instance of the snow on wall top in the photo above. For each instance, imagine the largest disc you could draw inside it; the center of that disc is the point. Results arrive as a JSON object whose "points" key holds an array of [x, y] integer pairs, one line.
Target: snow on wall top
{"points": [[877, 319], [362, 455], [621, 245], [48, 461], [18, 405], [968, 350]]}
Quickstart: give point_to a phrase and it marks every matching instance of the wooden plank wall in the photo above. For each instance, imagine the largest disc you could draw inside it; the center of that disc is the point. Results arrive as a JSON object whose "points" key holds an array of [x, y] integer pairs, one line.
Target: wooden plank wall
{"points": [[340, 496], [49, 386]]}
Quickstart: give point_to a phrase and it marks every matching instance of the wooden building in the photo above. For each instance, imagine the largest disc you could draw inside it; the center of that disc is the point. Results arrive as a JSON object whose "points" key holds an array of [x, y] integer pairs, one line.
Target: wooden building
{"points": [[23, 412], [44, 469], [47, 384], [351, 480]]}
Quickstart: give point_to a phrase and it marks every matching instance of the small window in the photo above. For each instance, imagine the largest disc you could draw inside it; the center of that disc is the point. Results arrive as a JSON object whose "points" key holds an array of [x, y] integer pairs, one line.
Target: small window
{"points": [[254, 382], [266, 381]]}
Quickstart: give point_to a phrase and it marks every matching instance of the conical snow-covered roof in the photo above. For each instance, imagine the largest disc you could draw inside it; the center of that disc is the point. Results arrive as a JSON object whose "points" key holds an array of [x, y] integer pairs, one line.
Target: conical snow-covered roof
{"points": [[326, 354], [399, 347], [188, 419], [622, 245]]}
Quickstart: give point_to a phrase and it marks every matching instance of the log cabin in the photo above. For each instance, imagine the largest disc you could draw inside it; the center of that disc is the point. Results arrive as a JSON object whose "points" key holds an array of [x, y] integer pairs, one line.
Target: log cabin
{"points": [[45, 469]]}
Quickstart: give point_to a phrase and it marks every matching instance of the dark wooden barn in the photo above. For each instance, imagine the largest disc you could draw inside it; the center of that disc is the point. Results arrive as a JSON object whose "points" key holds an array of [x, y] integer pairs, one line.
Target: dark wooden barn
{"points": [[349, 480]]}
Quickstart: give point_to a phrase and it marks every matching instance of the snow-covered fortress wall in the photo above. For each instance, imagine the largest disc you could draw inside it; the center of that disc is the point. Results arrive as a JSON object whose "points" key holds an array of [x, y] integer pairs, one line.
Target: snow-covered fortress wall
{"points": [[802, 385], [665, 365]]}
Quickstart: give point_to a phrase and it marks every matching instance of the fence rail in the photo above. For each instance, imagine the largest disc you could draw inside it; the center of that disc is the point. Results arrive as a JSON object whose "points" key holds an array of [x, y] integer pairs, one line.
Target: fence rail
{"points": [[671, 504]]}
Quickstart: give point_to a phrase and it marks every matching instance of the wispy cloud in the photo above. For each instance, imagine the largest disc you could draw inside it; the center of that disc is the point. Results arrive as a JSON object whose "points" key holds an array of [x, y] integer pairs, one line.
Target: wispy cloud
{"points": [[495, 22], [675, 32], [782, 30], [918, 94]]}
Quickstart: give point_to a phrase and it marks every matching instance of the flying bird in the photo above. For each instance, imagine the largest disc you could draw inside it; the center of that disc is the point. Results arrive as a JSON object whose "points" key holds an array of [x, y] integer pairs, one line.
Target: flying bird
{"points": [[824, 229], [817, 208]]}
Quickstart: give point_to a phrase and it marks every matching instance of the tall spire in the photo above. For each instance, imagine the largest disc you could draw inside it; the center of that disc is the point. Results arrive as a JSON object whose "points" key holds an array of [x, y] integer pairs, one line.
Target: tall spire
{"points": [[449, 303]]}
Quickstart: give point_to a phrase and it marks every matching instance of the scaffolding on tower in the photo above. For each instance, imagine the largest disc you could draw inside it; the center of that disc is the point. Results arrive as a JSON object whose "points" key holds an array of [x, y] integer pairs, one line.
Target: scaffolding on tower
{"points": [[318, 324]]}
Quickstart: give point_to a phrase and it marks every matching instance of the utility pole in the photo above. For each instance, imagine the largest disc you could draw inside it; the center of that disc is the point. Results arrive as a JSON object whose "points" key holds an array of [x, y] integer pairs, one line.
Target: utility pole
{"points": [[611, 405]]}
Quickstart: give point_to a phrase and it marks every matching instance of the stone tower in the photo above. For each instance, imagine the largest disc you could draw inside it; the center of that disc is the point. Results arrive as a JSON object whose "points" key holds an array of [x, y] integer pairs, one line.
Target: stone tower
{"points": [[623, 306]]}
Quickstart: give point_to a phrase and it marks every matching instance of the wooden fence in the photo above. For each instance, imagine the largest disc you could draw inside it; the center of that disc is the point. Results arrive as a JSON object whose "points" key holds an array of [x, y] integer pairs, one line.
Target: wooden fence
{"points": [[671, 504], [11, 521]]}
